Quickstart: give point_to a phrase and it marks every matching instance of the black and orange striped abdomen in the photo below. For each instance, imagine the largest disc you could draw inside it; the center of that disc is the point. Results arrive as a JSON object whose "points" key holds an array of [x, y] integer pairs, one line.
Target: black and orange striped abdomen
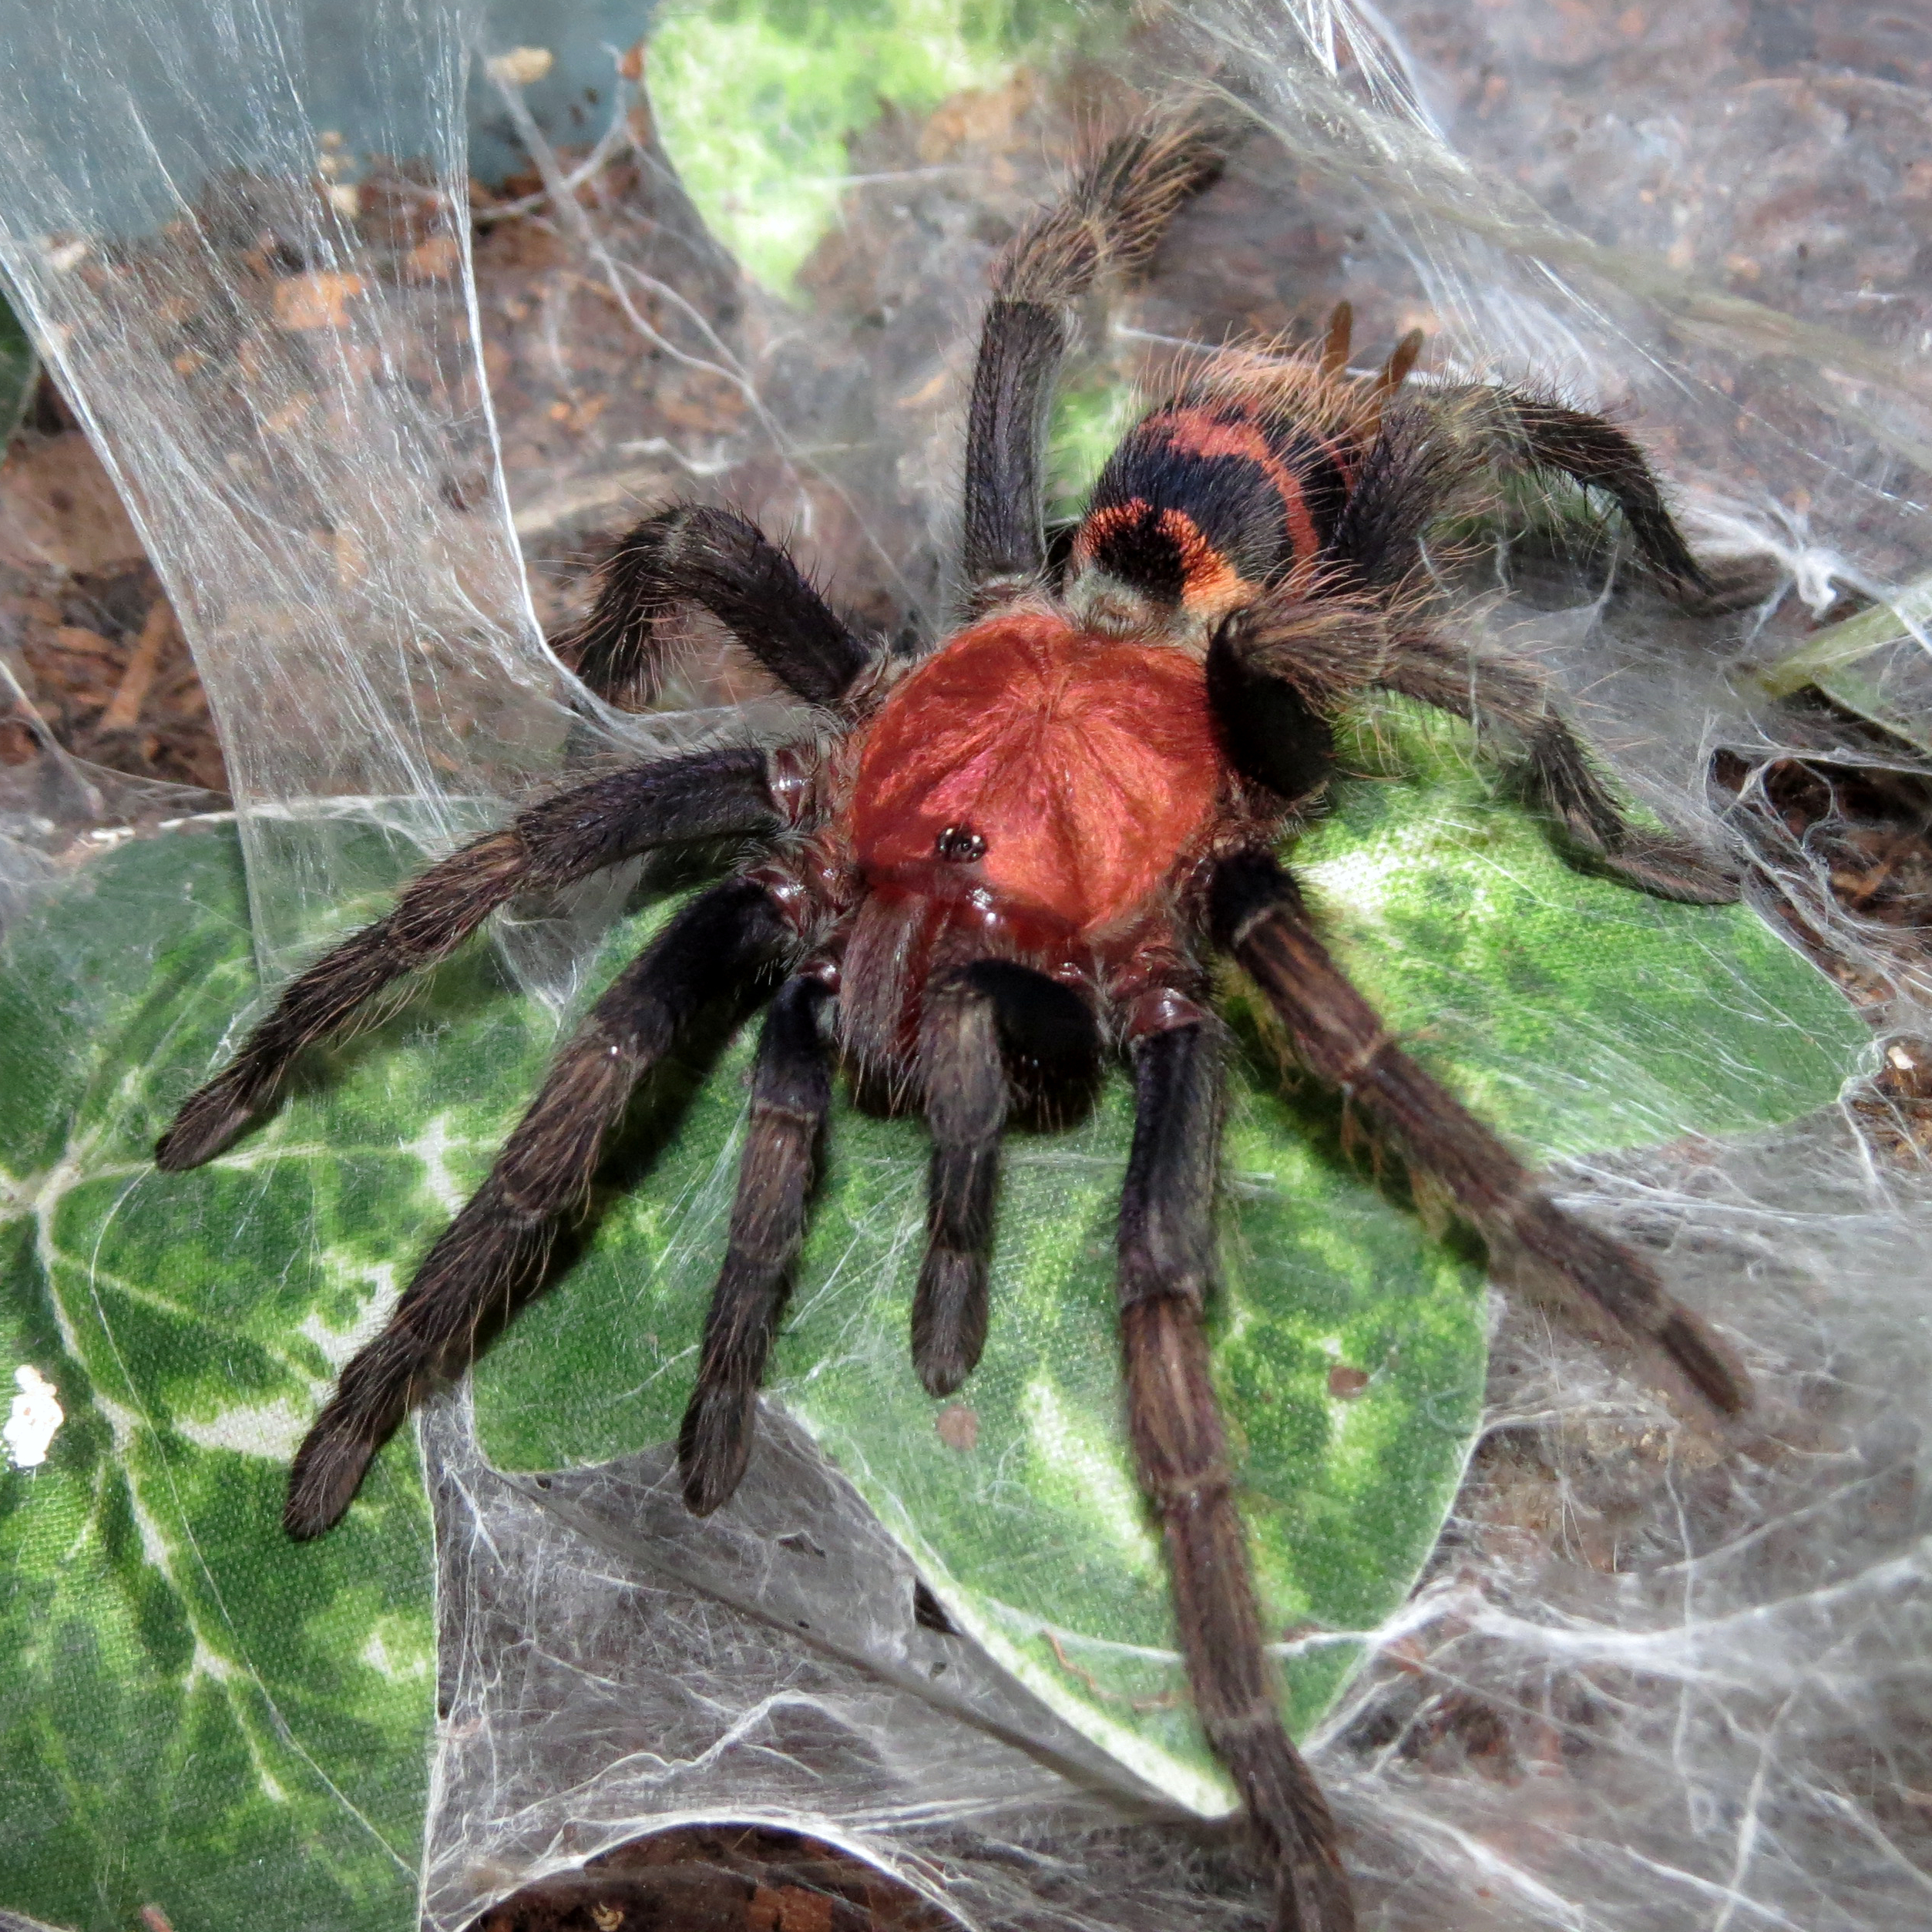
{"points": [[1213, 497]]}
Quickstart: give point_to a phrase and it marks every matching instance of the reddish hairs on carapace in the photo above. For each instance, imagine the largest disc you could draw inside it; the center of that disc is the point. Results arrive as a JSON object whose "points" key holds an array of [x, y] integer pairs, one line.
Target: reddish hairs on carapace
{"points": [[1094, 764], [1022, 795]]}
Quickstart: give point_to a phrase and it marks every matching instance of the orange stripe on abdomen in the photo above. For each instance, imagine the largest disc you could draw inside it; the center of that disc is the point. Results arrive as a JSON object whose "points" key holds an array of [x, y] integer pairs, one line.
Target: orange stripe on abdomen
{"points": [[1208, 434]]}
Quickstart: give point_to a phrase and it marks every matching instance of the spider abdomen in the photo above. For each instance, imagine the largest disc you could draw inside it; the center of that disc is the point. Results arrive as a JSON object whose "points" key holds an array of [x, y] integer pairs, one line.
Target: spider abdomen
{"points": [[1226, 490], [1048, 772]]}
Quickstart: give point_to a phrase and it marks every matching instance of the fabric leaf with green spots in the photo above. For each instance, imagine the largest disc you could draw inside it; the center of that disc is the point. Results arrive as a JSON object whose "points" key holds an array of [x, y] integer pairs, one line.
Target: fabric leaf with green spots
{"points": [[198, 1715], [756, 103], [194, 1713]]}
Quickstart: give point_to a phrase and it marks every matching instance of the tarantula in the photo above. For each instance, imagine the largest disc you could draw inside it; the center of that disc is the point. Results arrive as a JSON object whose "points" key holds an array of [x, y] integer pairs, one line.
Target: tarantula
{"points": [[987, 866]]}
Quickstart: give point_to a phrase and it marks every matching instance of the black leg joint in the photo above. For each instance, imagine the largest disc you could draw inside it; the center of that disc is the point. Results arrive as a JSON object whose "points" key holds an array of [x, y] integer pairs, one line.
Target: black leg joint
{"points": [[792, 1071], [1245, 885]]}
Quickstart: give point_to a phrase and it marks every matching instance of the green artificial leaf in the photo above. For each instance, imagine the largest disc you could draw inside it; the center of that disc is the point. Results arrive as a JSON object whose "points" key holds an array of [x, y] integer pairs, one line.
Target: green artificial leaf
{"points": [[1888, 687], [1577, 1014], [1574, 1013], [195, 1713], [757, 103], [1872, 662], [198, 1715]]}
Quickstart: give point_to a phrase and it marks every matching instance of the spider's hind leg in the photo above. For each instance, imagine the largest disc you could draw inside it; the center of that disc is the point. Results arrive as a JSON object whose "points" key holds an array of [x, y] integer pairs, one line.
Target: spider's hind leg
{"points": [[1166, 1264], [1435, 444], [1534, 435], [993, 1033], [791, 1096]]}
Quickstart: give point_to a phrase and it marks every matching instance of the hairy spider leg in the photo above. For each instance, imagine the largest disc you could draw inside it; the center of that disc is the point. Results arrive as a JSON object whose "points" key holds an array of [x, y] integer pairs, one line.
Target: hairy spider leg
{"points": [[1166, 1252], [1558, 774], [706, 794], [791, 1097], [966, 1113], [1537, 435], [1417, 468], [1275, 666], [1432, 441], [1110, 220], [1258, 915], [493, 1256], [724, 564]]}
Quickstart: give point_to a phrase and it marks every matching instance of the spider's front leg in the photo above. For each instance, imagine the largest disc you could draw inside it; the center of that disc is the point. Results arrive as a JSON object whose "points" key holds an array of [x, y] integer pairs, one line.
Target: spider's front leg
{"points": [[724, 564], [966, 1113], [1166, 1264], [492, 1257], [982, 1026], [1258, 915], [741, 791], [976, 1020]]}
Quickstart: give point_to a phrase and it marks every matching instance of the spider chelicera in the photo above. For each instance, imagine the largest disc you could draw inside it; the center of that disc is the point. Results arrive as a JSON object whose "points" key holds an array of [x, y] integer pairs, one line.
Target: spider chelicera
{"points": [[988, 866]]}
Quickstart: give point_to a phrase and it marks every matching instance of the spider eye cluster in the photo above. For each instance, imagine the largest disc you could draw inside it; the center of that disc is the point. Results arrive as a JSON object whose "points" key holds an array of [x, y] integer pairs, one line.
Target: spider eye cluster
{"points": [[959, 845]]}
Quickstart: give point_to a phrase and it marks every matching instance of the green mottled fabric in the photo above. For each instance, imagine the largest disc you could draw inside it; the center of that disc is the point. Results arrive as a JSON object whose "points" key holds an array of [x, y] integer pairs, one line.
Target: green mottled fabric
{"points": [[756, 104], [196, 1713]]}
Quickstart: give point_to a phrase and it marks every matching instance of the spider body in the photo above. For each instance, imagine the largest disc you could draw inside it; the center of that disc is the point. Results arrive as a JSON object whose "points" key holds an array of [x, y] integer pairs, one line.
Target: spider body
{"points": [[982, 873]]}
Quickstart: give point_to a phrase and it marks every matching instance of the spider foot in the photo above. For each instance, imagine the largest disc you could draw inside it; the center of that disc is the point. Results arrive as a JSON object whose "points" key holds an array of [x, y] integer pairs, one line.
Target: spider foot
{"points": [[1665, 868], [1290, 1819], [378, 1390], [949, 1318], [714, 1444], [328, 1470], [1717, 1373], [1555, 1253], [210, 1121], [1730, 584]]}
